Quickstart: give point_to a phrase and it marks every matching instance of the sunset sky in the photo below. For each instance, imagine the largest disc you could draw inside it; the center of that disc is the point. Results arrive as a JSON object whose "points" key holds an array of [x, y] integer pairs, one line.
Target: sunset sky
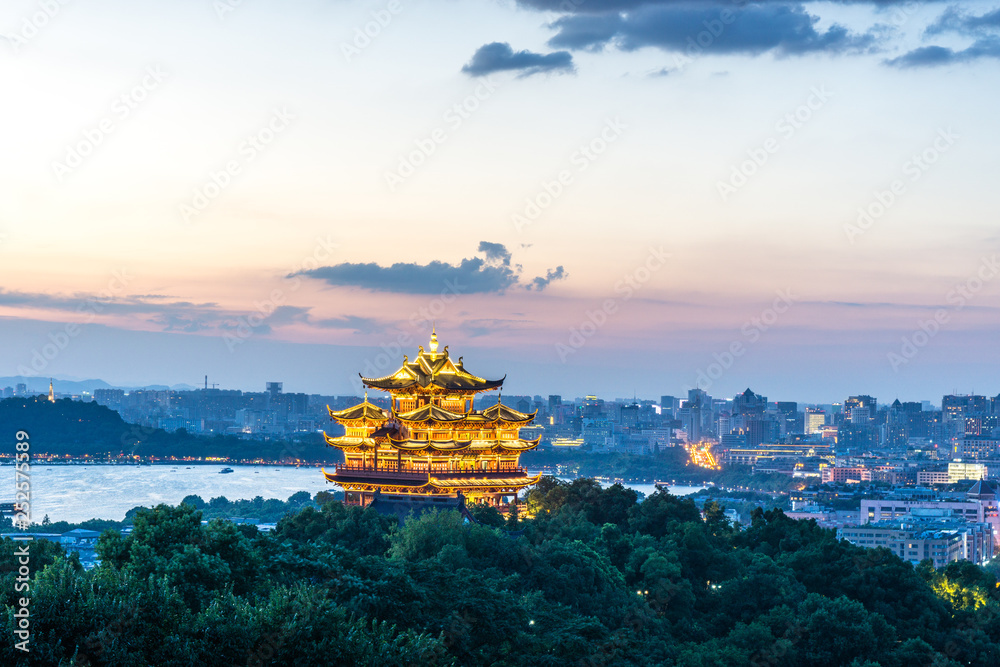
{"points": [[590, 196]]}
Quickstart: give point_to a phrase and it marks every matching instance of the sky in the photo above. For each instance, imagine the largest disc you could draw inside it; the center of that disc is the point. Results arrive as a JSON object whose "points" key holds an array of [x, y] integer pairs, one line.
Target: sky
{"points": [[609, 197]]}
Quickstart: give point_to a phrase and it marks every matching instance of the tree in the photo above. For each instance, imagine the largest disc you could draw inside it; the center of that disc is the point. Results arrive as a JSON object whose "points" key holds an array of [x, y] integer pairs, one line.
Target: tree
{"points": [[716, 520], [512, 522], [194, 501], [486, 514], [662, 512]]}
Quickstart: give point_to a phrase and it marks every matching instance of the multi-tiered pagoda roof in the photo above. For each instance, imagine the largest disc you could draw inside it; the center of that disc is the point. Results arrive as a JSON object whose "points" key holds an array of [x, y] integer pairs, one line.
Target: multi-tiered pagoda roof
{"points": [[433, 372], [431, 440]]}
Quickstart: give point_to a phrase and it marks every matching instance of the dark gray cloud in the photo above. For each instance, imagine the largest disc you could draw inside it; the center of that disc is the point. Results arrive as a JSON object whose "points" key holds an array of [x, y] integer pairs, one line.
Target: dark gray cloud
{"points": [[699, 28], [928, 56], [540, 283], [500, 57], [984, 28], [100, 304], [492, 273], [177, 322], [955, 20], [603, 6], [364, 325], [587, 32], [747, 27], [471, 276], [490, 326], [755, 27], [288, 315], [177, 316], [495, 252]]}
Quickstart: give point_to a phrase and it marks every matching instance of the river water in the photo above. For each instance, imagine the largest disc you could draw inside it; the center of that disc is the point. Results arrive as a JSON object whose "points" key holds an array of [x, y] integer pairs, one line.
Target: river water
{"points": [[79, 492]]}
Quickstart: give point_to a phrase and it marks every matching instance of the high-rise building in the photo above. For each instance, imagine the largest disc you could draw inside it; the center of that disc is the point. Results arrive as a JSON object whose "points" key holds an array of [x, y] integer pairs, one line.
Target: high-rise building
{"points": [[860, 410], [668, 406], [629, 415], [860, 416], [593, 407], [759, 431], [724, 425], [815, 419], [788, 417], [956, 408], [749, 404], [110, 398], [751, 419]]}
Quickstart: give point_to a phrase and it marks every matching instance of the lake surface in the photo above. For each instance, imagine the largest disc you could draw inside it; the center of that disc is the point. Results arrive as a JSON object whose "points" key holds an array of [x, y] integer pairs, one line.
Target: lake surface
{"points": [[649, 489], [79, 492], [76, 492]]}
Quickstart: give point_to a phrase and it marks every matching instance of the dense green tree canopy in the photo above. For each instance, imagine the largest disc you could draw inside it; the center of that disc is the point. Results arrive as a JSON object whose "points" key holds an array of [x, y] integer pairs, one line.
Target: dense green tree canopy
{"points": [[593, 577]]}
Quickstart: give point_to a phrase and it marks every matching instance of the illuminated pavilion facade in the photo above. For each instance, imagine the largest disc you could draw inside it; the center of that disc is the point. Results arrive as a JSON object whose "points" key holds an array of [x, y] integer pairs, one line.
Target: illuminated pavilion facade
{"points": [[431, 444]]}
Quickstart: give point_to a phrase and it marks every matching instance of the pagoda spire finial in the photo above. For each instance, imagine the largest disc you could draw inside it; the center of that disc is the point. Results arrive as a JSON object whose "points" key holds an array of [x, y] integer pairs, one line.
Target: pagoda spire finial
{"points": [[434, 339]]}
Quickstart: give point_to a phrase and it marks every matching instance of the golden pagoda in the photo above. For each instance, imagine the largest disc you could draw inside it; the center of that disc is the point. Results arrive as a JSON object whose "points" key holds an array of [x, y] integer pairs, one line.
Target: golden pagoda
{"points": [[431, 443]]}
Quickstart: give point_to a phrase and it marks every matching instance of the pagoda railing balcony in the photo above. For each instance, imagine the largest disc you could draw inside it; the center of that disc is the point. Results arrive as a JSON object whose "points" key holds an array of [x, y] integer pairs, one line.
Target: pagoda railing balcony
{"points": [[462, 436], [381, 471], [424, 471], [479, 474]]}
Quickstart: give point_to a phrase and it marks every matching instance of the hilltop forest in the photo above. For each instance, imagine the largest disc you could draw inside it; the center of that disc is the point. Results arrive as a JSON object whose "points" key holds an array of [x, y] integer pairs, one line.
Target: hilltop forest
{"points": [[595, 578]]}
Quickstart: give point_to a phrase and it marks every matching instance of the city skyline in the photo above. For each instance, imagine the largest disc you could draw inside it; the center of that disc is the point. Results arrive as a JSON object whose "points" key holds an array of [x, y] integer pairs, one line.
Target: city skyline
{"points": [[613, 209], [79, 386]]}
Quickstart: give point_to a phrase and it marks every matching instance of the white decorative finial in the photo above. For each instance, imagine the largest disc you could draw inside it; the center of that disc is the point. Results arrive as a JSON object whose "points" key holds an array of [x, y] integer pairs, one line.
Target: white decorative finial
{"points": [[434, 340]]}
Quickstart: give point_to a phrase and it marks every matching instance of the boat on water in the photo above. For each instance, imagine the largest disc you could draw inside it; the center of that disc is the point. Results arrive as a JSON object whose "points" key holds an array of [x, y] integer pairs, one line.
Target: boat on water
{"points": [[226, 470]]}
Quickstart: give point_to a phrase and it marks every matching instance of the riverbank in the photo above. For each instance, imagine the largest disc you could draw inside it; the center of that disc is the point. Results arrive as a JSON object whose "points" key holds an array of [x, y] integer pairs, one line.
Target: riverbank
{"points": [[8, 459], [77, 493]]}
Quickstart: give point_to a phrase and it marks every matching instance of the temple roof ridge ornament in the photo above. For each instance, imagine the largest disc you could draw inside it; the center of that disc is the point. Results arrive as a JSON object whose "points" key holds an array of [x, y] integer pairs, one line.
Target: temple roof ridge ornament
{"points": [[432, 372]]}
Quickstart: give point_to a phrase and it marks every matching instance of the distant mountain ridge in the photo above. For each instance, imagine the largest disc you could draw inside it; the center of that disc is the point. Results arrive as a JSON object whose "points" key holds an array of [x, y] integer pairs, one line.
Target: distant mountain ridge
{"points": [[76, 428], [61, 386]]}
